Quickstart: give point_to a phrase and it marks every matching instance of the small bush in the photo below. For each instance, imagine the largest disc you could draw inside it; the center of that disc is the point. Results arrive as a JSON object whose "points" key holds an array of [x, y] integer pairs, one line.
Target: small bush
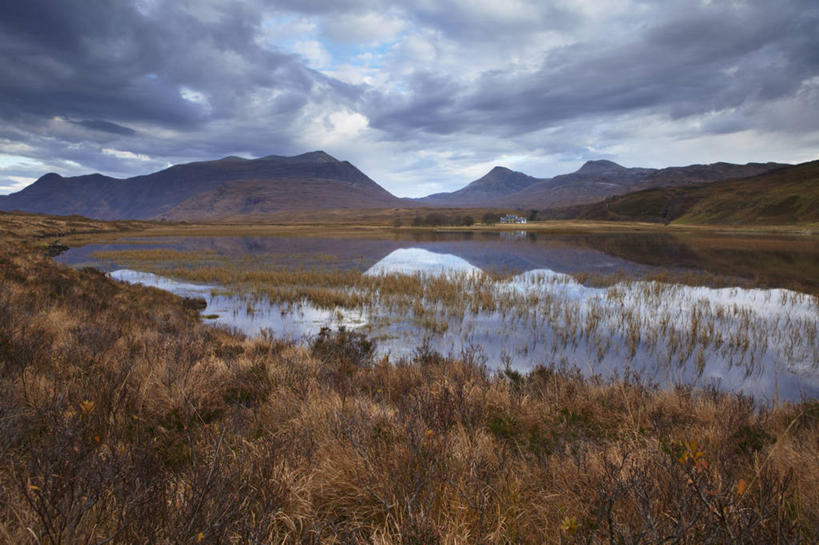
{"points": [[751, 438], [424, 354], [503, 426], [490, 218], [344, 346]]}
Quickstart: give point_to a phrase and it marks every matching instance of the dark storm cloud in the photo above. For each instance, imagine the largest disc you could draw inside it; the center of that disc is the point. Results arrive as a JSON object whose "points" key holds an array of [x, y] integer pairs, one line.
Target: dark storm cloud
{"points": [[84, 59], [693, 61], [108, 60]]}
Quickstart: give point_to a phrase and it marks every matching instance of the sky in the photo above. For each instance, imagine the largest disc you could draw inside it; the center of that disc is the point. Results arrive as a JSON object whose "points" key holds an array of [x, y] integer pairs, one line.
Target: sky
{"points": [[422, 95]]}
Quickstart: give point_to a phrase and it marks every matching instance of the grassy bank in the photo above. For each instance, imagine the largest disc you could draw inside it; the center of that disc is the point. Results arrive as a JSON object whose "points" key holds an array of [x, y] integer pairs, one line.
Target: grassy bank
{"points": [[348, 224], [785, 195], [124, 420]]}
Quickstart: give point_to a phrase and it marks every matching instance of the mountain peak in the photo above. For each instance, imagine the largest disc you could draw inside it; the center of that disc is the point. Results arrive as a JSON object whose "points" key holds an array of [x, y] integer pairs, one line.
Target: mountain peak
{"points": [[599, 167], [500, 180], [49, 177], [317, 156]]}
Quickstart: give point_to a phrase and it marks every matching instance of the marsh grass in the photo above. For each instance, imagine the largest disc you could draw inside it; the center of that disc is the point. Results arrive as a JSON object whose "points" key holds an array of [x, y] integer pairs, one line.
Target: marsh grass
{"points": [[668, 318], [124, 420]]}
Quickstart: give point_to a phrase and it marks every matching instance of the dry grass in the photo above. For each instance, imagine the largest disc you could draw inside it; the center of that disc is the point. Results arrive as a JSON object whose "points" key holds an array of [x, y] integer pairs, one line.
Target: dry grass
{"points": [[23, 225], [124, 420]]}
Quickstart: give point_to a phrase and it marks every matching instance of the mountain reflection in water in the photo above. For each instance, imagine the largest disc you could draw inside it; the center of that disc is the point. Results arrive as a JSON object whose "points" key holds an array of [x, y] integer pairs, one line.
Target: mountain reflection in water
{"points": [[787, 262]]}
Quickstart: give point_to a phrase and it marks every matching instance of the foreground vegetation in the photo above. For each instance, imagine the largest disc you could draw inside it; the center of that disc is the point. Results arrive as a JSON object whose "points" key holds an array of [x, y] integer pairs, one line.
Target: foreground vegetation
{"points": [[124, 420]]}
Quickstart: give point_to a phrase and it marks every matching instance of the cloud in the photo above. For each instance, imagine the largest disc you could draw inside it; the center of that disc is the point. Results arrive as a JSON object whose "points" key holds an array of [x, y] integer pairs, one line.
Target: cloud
{"points": [[365, 28], [683, 64], [420, 94], [313, 52], [105, 126]]}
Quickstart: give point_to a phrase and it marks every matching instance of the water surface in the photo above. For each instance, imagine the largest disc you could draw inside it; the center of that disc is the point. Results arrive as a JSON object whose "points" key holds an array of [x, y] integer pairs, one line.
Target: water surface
{"points": [[737, 328]]}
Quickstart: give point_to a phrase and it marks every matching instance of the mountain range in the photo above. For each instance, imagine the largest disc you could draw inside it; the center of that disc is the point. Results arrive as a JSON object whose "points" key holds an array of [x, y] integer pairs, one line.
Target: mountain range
{"points": [[594, 181], [782, 196], [234, 187]]}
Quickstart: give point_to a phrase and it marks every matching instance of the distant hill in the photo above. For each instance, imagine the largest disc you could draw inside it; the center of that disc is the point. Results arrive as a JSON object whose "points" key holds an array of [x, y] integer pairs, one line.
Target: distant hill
{"points": [[784, 196], [496, 184], [594, 181], [311, 180]]}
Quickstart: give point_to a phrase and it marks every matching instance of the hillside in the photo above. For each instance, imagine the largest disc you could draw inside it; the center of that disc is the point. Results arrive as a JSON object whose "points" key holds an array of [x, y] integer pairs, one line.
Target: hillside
{"points": [[785, 196], [155, 195], [261, 197], [594, 181]]}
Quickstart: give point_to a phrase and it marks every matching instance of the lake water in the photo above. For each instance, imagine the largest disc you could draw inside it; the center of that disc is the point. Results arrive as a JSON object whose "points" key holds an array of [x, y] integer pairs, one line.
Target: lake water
{"points": [[746, 319]]}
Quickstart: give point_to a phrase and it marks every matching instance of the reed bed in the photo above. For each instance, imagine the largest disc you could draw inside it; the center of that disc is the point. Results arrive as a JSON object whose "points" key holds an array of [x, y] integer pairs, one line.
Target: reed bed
{"points": [[599, 323], [124, 420]]}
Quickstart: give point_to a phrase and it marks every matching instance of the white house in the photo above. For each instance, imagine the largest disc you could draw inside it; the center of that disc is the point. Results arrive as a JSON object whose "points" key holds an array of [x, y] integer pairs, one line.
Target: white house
{"points": [[511, 218]]}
